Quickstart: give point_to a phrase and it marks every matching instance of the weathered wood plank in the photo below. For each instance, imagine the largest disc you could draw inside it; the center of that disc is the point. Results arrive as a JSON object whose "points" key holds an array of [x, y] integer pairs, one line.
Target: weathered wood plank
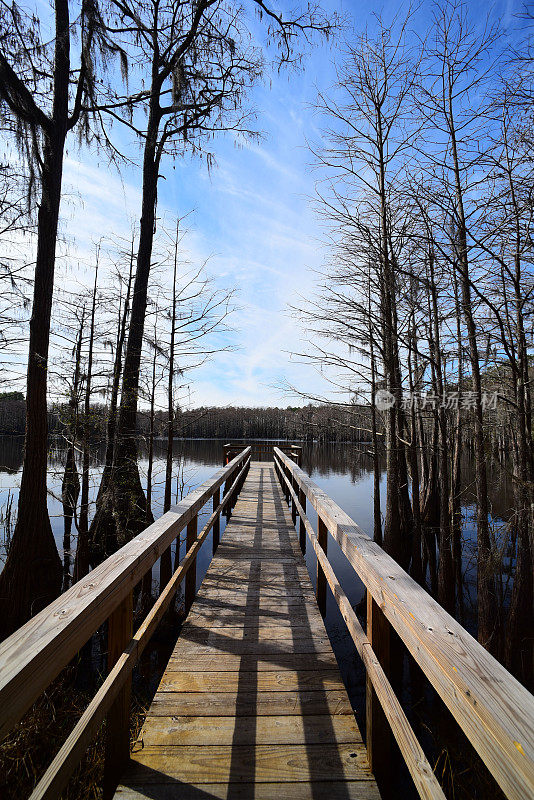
{"points": [[263, 763], [268, 681], [252, 593], [378, 732], [231, 704], [191, 577], [270, 633], [243, 619], [241, 570], [270, 729], [225, 644], [274, 573], [328, 790], [217, 523], [238, 601], [320, 588], [228, 662]]}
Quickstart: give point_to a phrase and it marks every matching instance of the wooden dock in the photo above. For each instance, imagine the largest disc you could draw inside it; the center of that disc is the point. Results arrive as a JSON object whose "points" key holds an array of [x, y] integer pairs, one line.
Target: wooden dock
{"points": [[252, 704]]}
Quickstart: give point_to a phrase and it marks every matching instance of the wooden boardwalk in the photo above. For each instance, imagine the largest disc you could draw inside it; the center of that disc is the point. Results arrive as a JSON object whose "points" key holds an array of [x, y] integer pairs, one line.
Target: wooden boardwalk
{"points": [[251, 704]]}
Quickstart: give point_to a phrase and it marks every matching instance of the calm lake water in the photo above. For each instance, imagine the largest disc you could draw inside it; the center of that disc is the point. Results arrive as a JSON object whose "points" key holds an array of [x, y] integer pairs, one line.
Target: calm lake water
{"points": [[343, 471]]}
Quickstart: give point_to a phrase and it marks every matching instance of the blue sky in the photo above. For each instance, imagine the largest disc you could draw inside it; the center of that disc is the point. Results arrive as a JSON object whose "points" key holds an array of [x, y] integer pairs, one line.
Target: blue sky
{"points": [[252, 219]]}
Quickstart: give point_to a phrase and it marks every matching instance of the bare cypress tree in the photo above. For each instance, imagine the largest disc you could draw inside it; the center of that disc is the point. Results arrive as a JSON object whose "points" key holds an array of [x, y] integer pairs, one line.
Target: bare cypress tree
{"points": [[506, 239], [166, 558], [118, 349], [42, 97], [201, 65], [151, 385], [70, 487], [170, 381], [458, 71], [367, 138], [81, 563]]}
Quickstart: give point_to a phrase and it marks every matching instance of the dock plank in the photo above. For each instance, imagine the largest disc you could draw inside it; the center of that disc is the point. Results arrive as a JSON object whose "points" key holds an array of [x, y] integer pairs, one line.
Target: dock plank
{"points": [[328, 790], [285, 681], [240, 704], [272, 729], [252, 703]]}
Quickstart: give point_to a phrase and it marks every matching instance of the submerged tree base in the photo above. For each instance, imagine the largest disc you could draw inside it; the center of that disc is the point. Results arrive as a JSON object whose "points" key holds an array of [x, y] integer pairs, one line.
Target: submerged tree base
{"points": [[32, 576], [121, 514]]}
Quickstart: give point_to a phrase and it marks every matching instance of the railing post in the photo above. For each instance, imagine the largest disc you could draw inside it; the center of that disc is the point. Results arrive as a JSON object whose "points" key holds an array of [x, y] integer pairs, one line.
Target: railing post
{"points": [[286, 488], [146, 586], [302, 526], [293, 506], [226, 512], [320, 590], [378, 733], [191, 576], [217, 523], [165, 566], [117, 753], [231, 486]]}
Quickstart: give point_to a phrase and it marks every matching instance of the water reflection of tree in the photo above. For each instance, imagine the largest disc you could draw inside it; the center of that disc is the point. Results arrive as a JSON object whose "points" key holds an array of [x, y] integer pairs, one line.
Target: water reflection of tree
{"points": [[11, 452], [354, 461]]}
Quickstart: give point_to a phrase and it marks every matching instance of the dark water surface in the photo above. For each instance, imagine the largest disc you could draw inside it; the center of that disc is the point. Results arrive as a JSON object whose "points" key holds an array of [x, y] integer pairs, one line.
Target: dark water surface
{"points": [[345, 473]]}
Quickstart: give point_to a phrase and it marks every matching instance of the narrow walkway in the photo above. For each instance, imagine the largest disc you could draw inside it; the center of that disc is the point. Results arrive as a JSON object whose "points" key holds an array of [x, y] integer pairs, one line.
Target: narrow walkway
{"points": [[251, 705]]}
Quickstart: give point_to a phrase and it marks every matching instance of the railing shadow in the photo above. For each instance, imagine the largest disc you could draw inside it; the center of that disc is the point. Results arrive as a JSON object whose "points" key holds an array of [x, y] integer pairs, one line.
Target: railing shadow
{"points": [[313, 747], [150, 783], [243, 759]]}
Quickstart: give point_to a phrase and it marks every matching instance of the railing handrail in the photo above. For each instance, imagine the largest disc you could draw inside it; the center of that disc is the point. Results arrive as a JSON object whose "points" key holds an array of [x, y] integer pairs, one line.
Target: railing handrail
{"points": [[258, 443], [494, 710], [34, 655], [414, 756]]}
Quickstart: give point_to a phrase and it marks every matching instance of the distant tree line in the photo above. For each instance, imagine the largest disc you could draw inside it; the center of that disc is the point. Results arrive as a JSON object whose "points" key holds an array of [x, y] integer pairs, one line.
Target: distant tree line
{"points": [[313, 422], [324, 423]]}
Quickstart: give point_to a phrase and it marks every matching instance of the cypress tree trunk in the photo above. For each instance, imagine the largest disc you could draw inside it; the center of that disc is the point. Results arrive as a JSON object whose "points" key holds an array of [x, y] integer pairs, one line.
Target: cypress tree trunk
{"points": [[81, 564], [377, 514], [32, 574], [445, 567], [170, 403], [488, 620], [416, 566], [456, 477], [70, 487], [121, 511], [117, 372], [519, 644], [398, 525]]}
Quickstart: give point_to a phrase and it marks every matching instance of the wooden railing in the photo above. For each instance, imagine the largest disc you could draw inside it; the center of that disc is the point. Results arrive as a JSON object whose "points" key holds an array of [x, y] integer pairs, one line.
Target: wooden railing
{"points": [[493, 709], [35, 654], [262, 448]]}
